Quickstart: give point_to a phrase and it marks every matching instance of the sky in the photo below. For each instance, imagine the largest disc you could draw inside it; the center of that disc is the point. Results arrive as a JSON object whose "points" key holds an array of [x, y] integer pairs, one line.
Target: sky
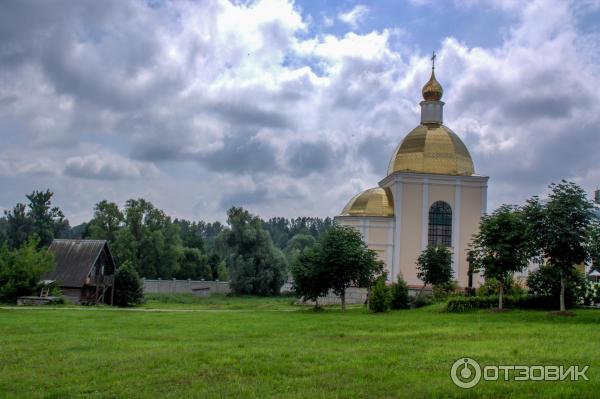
{"points": [[287, 108]]}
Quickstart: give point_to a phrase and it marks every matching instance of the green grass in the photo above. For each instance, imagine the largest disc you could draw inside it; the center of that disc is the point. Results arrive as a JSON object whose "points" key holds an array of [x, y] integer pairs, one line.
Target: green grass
{"points": [[268, 348]]}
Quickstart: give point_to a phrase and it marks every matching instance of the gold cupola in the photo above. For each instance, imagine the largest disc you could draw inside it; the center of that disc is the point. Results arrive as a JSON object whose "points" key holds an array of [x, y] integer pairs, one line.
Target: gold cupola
{"points": [[372, 202], [432, 147], [432, 91]]}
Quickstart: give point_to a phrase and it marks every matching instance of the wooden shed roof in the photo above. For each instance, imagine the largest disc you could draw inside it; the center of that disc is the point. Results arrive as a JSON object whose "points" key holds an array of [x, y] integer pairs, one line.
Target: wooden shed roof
{"points": [[74, 259]]}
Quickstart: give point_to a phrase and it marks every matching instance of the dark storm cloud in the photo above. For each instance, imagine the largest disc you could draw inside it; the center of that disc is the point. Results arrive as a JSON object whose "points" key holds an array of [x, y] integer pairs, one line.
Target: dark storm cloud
{"points": [[243, 114], [242, 154], [304, 158], [377, 150]]}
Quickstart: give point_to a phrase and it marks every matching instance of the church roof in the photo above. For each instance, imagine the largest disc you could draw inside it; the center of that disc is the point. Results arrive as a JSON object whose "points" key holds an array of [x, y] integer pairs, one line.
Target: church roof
{"points": [[432, 148], [372, 202]]}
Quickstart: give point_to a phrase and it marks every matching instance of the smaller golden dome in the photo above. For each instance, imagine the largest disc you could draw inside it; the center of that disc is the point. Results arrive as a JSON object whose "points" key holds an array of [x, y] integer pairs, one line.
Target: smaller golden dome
{"points": [[372, 202], [432, 91]]}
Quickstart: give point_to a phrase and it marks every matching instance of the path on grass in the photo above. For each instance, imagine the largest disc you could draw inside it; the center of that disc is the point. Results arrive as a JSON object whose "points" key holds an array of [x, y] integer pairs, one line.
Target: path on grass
{"points": [[144, 309]]}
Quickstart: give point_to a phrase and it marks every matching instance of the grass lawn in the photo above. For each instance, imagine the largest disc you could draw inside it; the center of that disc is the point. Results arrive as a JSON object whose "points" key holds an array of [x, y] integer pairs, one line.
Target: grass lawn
{"points": [[257, 348]]}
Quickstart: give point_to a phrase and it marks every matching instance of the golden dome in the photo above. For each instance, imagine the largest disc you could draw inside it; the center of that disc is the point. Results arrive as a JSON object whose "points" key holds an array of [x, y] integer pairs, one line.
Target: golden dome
{"points": [[372, 202], [432, 91], [432, 148]]}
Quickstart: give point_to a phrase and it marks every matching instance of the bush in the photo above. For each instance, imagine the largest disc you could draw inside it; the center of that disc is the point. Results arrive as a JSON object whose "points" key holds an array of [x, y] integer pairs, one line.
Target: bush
{"points": [[380, 298], [545, 283], [421, 300], [128, 288], [20, 270], [592, 293], [466, 304], [441, 292], [399, 295]]}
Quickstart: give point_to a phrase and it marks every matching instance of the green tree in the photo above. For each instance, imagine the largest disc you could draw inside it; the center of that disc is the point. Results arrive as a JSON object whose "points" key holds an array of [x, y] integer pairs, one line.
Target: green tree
{"points": [[152, 243], [38, 217], [502, 246], [107, 221], [434, 266], [128, 287], [256, 265], [222, 271], [560, 229], [380, 298], [193, 265], [345, 261], [297, 244], [310, 280], [399, 293], [19, 225], [21, 268]]}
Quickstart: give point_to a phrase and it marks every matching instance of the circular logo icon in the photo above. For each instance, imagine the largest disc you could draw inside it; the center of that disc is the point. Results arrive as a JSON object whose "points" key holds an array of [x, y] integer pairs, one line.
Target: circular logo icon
{"points": [[465, 373]]}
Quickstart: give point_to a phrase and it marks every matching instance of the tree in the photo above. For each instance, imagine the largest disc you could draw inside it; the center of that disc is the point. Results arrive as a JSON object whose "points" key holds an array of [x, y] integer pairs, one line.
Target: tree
{"points": [[434, 266], [298, 244], [561, 228], [38, 218], [399, 292], [127, 286], [222, 271], [309, 277], [256, 265], [19, 225], [21, 268], [339, 260], [594, 244], [380, 298], [107, 221], [193, 265], [502, 246]]}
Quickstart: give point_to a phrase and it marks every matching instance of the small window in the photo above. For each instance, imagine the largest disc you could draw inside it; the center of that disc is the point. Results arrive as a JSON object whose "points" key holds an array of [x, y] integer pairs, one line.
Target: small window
{"points": [[440, 224]]}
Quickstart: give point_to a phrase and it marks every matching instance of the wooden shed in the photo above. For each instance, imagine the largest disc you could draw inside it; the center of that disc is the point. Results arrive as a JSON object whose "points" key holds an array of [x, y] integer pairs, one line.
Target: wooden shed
{"points": [[84, 270]]}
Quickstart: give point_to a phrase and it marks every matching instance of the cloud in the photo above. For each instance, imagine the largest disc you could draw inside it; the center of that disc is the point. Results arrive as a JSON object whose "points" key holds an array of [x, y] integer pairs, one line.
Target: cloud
{"points": [[355, 16], [107, 167], [231, 103]]}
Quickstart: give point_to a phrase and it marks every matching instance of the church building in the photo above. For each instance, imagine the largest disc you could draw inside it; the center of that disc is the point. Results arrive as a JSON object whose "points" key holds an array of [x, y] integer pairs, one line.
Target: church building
{"points": [[430, 196]]}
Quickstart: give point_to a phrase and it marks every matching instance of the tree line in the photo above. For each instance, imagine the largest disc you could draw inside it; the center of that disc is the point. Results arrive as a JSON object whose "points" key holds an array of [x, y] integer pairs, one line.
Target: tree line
{"points": [[253, 253]]}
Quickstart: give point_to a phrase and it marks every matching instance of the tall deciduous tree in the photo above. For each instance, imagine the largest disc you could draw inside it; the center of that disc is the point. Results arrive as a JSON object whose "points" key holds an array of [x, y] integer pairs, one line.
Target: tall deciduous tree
{"points": [[502, 246], [434, 266], [561, 228], [38, 218], [309, 275], [256, 265], [107, 221]]}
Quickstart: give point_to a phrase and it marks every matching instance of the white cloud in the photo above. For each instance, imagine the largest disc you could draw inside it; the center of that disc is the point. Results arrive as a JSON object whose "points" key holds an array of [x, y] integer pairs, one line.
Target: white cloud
{"points": [[355, 16], [224, 103], [108, 166]]}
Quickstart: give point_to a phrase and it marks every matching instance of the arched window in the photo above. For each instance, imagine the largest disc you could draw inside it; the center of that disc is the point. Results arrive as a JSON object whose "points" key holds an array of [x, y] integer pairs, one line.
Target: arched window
{"points": [[440, 224]]}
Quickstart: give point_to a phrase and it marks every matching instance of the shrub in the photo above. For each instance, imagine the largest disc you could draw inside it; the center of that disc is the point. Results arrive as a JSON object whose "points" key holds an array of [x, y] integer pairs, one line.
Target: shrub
{"points": [[441, 292], [380, 298], [545, 283], [399, 294], [128, 288], [419, 301], [592, 293], [466, 304], [20, 269]]}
